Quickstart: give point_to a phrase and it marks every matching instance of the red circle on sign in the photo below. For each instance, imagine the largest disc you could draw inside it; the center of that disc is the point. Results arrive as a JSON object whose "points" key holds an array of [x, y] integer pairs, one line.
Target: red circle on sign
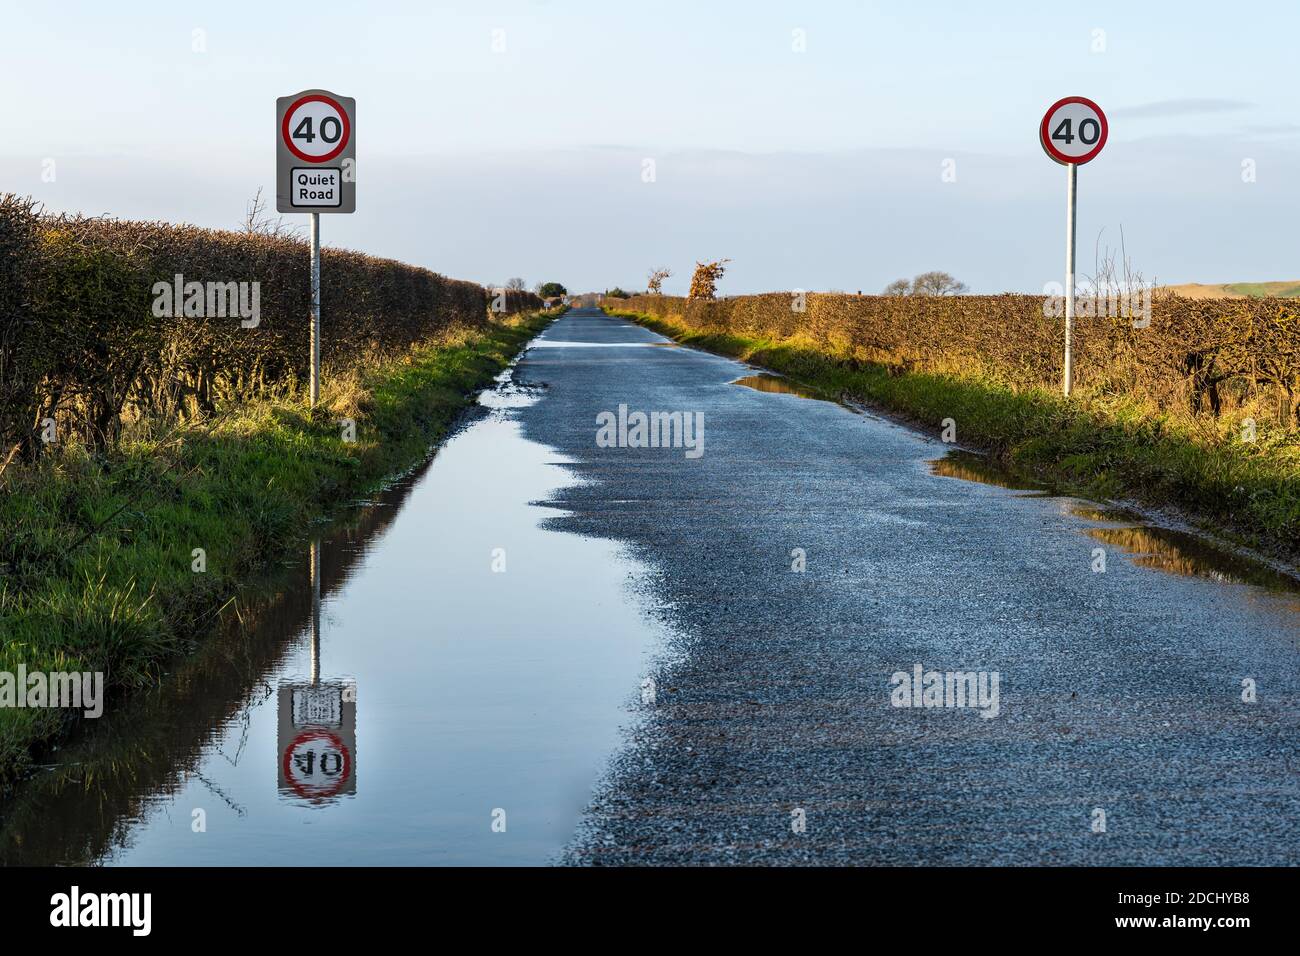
{"points": [[1046, 140], [343, 118], [317, 793]]}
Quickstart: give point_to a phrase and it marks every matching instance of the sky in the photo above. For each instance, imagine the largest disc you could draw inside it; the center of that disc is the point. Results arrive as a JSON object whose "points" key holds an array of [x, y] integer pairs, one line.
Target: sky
{"points": [[586, 143]]}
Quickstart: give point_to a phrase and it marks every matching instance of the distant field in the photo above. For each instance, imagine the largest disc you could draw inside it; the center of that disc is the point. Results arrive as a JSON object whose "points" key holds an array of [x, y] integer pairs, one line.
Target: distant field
{"points": [[1238, 290]]}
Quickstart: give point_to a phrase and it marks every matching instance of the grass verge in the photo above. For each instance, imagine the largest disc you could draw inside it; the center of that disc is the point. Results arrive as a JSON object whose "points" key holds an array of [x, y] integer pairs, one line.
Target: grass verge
{"points": [[1104, 448], [98, 563]]}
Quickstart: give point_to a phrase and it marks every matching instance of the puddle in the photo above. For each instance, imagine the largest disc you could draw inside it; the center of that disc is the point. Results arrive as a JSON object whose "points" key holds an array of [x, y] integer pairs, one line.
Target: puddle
{"points": [[1180, 553], [969, 466], [544, 343], [428, 666], [1093, 512], [509, 392], [1163, 549], [766, 382]]}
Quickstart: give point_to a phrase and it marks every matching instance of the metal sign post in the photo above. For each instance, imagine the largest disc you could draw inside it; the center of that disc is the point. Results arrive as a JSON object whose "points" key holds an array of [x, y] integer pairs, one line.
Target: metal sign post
{"points": [[1071, 195], [315, 308], [1072, 133], [314, 570], [315, 172]]}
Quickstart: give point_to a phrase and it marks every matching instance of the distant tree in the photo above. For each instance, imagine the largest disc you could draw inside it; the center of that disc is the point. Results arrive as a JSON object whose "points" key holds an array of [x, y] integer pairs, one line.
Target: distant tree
{"points": [[655, 281], [704, 283], [516, 285], [898, 287], [617, 293], [549, 290], [937, 283]]}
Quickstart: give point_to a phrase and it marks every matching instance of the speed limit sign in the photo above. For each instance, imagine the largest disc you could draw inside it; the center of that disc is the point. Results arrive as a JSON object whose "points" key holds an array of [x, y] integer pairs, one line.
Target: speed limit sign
{"points": [[316, 152], [317, 765], [315, 172], [1073, 131]]}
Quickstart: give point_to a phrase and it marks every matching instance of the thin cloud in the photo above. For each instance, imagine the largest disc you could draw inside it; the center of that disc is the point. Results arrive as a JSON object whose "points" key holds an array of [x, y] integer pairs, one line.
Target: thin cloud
{"points": [[1273, 129], [1183, 107]]}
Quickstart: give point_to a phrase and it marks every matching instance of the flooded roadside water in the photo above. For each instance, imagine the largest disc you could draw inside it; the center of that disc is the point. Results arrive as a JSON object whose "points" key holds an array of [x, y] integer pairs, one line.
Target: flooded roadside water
{"points": [[779, 385], [1146, 545], [451, 697]]}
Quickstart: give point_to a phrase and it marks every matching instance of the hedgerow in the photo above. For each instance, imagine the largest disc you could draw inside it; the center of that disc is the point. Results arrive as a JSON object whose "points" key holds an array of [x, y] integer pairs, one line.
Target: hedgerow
{"points": [[1195, 358], [83, 346]]}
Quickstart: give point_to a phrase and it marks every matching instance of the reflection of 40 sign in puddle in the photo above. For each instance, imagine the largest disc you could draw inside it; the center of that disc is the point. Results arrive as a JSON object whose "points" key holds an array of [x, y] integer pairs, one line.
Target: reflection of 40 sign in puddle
{"points": [[317, 764], [317, 752]]}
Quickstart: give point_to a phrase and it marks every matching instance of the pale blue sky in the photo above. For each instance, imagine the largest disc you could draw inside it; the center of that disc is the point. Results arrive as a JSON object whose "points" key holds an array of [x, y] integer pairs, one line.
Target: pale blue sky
{"points": [[819, 169]]}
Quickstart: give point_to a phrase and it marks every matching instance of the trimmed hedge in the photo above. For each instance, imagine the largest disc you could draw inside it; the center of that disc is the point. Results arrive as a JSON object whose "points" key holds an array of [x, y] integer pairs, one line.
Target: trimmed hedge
{"points": [[1195, 357], [80, 342]]}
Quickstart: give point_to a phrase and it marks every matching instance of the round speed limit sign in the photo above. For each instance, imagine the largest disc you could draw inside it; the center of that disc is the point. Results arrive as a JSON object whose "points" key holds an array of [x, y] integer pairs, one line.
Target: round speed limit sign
{"points": [[316, 128], [1073, 131], [317, 764]]}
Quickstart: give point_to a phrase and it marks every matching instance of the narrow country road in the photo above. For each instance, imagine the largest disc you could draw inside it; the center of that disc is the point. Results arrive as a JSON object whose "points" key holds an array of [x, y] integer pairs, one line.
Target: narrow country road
{"points": [[1121, 734], [548, 646]]}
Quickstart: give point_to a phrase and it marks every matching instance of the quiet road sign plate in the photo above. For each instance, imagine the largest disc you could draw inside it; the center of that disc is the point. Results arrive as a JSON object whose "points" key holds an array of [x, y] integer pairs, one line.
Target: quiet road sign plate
{"points": [[315, 152], [1073, 131]]}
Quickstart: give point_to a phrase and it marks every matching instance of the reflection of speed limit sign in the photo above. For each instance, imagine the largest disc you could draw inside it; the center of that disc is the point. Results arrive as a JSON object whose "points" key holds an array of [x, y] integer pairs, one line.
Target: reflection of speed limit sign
{"points": [[316, 741], [317, 764], [315, 134], [1074, 130], [316, 128]]}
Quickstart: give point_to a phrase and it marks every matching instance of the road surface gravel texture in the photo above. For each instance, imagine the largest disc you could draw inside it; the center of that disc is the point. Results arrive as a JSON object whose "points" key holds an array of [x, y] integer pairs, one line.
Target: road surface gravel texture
{"points": [[1121, 735]]}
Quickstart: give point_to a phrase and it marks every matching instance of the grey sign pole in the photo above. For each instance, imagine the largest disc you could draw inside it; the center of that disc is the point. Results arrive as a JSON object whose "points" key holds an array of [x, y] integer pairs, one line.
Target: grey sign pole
{"points": [[315, 611], [315, 311], [1071, 195], [315, 172]]}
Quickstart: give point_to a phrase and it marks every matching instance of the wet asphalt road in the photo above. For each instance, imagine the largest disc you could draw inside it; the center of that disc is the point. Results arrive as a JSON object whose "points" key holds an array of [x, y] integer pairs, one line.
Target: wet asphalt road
{"points": [[1118, 691]]}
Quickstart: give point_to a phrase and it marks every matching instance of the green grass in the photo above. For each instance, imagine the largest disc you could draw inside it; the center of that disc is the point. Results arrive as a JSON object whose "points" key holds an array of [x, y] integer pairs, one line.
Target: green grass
{"points": [[1283, 290], [1099, 448], [96, 554]]}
